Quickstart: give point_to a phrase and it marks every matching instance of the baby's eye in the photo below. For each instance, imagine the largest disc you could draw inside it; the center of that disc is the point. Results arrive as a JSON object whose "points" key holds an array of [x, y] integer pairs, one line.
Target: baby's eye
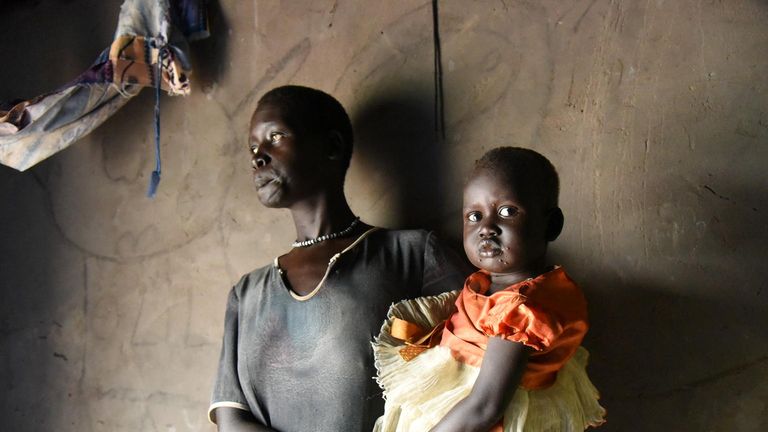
{"points": [[254, 149], [507, 211], [474, 216], [275, 137]]}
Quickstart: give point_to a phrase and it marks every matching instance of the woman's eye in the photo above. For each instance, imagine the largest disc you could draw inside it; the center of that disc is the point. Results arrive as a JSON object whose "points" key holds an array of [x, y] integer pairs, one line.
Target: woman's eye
{"points": [[275, 137], [507, 211], [474, 217]]}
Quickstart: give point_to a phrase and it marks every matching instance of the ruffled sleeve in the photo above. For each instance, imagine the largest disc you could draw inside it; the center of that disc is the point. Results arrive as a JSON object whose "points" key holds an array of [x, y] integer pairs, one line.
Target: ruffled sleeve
{"points": [[512, 317]]}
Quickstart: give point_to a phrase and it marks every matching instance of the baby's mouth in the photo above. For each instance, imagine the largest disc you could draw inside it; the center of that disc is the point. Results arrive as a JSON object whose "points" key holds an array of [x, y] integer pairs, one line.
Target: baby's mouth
{"points": [[489, 248]]}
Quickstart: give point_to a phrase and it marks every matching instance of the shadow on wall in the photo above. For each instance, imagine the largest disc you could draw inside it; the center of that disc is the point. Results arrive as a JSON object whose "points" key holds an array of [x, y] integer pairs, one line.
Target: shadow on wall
{"points": [[665, 361], [395, 136], [679, 335], [36, 296], [209, 56], [74, 34]]}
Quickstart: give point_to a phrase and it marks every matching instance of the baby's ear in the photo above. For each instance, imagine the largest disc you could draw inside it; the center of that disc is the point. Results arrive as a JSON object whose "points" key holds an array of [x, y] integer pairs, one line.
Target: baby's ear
{"points": [[555, 220], [336, 145]]}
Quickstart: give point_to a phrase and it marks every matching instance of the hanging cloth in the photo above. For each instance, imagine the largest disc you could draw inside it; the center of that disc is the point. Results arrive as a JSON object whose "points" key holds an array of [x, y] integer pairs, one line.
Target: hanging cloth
{"points": [[150, 37]]}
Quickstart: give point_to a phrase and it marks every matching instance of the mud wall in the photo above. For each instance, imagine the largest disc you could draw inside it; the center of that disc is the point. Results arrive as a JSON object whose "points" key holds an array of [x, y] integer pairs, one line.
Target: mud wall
{"points": [[654, 112]]}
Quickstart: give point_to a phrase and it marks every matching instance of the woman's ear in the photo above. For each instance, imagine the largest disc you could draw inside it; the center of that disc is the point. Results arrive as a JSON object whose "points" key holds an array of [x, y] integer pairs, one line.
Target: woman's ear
{"points": [[336, 146], [555, 221]]}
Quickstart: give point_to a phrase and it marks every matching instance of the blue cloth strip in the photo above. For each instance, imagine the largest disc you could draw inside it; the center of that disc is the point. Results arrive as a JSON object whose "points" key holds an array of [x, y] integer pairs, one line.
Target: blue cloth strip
{"points": [[154, 181]]}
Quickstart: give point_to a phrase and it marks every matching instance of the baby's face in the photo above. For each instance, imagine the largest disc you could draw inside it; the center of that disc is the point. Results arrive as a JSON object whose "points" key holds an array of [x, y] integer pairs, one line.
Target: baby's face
{"points": [[504, 228]]}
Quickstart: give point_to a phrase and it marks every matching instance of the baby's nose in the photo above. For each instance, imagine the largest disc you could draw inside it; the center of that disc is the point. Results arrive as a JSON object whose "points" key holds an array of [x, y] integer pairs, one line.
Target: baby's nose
{"points": [[489, 230]]}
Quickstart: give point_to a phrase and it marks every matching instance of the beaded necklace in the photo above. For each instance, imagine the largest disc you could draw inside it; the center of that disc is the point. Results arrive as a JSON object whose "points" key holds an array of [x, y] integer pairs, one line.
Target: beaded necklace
{"points": [[322, 238]]}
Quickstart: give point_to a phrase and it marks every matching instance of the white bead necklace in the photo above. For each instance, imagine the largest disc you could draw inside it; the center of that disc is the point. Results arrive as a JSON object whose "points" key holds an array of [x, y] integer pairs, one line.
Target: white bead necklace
{"points": [[322, 238]]}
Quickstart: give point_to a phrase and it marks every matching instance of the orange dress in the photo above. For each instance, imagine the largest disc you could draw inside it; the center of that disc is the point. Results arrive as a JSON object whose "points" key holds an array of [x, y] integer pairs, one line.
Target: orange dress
{"points": [[547, 313]]}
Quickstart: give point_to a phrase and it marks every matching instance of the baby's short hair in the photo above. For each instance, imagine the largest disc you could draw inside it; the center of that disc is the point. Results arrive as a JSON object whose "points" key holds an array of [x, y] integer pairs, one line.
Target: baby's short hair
{"points": [[315, 111], [518, 166]]}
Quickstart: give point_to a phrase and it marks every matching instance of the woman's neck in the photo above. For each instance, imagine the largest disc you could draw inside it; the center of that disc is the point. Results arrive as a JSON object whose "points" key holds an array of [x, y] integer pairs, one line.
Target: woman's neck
{"points": [[321, 215]]}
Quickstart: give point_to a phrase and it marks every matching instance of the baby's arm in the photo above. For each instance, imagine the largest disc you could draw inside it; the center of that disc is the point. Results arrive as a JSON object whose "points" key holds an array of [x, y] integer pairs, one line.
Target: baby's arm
{"points": [[500, 373], [237, 420]]}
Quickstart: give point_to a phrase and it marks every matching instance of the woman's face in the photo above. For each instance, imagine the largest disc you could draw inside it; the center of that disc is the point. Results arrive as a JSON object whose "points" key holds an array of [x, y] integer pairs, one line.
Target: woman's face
{"points": [[287, 162]]}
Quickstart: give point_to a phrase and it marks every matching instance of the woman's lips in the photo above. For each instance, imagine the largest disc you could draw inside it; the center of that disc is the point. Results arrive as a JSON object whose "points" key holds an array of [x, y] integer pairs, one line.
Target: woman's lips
{"points": [[268, 188], [489, 248], [262, 182]]}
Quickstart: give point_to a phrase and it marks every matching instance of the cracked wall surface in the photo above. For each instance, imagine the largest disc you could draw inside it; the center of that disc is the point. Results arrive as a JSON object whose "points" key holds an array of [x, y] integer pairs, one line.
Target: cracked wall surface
{"points": [[654, 112]]}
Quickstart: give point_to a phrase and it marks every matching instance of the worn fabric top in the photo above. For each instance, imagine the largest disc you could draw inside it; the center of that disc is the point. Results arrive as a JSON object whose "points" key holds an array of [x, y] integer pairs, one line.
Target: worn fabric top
{"points": [[308, 364], [547, 313]]}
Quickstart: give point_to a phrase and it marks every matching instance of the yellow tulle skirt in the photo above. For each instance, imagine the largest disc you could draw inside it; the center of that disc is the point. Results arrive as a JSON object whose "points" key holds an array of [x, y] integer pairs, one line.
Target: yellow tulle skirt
{"points": [[420, 392]]}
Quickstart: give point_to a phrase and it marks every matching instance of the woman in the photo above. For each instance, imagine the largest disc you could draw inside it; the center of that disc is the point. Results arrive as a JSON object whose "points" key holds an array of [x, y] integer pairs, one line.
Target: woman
{"points": [[296, 352]]}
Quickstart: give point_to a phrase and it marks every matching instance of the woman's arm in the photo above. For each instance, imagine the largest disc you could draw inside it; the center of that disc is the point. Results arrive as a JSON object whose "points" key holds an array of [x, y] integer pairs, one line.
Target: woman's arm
{"points": [[500, 373], [237, 420]]}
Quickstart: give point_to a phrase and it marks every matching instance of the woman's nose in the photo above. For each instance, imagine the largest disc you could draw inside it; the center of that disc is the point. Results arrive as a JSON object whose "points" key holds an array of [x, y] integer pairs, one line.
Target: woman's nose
{"points": [[260, 159]]}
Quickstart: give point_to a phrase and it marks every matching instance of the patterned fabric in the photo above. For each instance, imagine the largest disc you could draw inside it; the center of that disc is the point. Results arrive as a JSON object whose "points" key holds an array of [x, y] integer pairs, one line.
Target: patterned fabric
{"points": [[134, 62], [191, 18], [32, 130]]}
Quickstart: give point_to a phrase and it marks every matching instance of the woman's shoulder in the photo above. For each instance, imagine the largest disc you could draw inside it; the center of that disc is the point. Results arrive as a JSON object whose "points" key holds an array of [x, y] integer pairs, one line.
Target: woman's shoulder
{"points": [[255, 279], [401, 239], [417, 238], [402, 235]]}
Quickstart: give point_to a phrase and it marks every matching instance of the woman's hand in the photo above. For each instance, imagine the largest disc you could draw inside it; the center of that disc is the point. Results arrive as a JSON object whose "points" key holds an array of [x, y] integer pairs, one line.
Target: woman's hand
{"points": [[503, 366], [237, 420]]}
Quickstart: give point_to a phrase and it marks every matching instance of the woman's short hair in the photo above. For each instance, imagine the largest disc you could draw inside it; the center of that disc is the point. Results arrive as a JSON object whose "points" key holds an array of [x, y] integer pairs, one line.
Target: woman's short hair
{"points": [[314, 111]]}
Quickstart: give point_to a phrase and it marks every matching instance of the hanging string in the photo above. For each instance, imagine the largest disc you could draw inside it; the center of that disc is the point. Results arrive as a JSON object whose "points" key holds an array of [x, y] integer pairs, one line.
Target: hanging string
{"points": [[439, 106], [154, 181]]}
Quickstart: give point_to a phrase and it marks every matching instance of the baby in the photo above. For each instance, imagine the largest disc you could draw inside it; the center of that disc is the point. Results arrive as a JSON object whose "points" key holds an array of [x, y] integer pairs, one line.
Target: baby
{"points": [[504, 352]]}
